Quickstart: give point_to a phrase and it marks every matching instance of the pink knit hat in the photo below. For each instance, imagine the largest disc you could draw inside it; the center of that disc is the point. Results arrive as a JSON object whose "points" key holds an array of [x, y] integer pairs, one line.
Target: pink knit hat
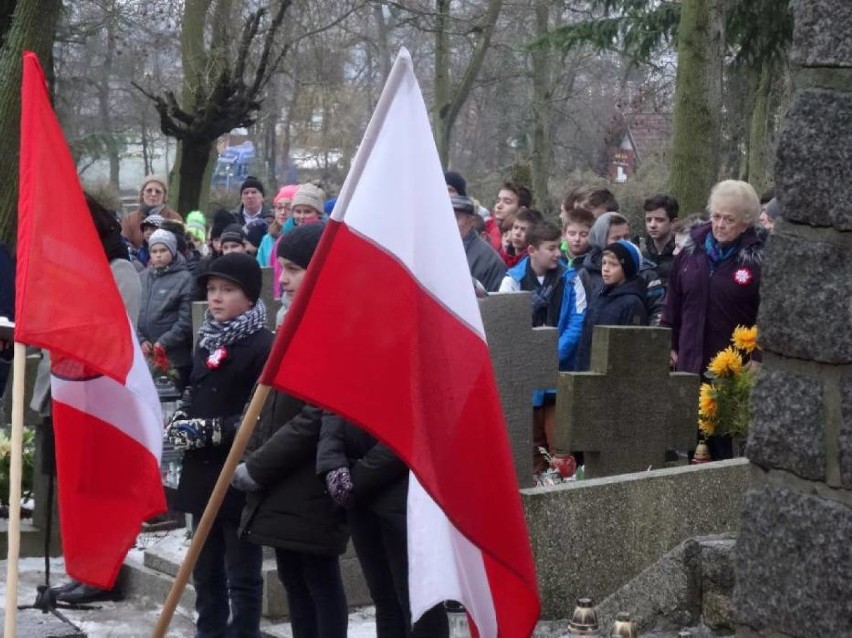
{"points": [[286, 192]]}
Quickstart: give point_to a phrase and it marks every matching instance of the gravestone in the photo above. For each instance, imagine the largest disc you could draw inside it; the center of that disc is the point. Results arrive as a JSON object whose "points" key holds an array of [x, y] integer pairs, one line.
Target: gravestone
{"points": [[629, 410], [524, 359], [793, 561], [267, 293]]}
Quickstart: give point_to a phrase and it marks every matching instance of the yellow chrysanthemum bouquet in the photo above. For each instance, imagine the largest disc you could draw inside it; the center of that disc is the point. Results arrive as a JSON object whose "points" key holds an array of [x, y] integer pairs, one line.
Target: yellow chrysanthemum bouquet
{"points": [[723, 404]]}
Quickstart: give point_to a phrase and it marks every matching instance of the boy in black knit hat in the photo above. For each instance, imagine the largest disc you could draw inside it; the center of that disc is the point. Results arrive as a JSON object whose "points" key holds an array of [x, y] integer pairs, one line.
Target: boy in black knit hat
{"points": [[233, 344], [622, 300]]}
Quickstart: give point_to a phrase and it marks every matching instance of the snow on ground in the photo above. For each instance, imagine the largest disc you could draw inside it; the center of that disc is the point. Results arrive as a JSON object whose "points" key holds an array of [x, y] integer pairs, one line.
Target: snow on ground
{"points": [[136, 618]]}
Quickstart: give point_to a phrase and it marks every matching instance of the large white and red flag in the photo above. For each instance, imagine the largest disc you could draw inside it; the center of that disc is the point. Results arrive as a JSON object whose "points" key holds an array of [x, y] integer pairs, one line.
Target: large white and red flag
{"points": [[106, 415], [386, 332]]}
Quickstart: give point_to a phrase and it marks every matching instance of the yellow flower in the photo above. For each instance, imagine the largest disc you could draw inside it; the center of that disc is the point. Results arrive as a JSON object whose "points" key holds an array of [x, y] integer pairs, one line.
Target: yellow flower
{"points": [[745, 338], [707, 426], [727, 362], [707, 401]]}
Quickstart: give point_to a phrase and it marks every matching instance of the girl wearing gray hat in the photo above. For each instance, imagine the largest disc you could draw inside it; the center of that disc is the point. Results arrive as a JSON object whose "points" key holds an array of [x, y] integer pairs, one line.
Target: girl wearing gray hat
{"points": [[165, 317]]}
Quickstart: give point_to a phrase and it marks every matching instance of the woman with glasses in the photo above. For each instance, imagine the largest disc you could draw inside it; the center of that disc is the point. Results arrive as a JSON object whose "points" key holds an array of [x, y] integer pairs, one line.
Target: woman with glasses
{"points": [[282, 223], [152, 201]]}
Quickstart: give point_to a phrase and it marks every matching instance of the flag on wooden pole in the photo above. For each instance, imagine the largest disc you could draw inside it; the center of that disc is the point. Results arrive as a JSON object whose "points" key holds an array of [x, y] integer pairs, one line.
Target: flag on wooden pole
{"points": [[386, 332], [106, 414]]}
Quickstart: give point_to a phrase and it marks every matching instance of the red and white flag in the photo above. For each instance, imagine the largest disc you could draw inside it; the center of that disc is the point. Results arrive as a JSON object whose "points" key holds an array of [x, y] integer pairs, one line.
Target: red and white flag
{"points": [[106, 414], [386, 332]]}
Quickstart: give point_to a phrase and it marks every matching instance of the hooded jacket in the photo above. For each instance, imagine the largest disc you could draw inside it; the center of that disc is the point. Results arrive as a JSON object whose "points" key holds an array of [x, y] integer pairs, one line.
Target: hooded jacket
{"points": [[165, 314], [292, 510], [618, 305], [702, 307]]}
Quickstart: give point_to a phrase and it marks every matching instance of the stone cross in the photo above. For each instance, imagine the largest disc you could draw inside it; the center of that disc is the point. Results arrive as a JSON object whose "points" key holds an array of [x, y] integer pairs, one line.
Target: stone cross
{"points": [[524, 359], [629, 410]]}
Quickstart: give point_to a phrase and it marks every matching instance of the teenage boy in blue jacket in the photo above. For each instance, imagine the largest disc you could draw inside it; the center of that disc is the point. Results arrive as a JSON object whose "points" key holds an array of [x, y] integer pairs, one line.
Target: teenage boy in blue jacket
{"points": [[558, 300]]}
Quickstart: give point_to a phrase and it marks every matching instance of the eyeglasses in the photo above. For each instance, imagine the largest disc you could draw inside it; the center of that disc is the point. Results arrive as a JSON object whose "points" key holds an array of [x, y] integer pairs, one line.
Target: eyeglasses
{"points": [[282, 206], [153, 191]]}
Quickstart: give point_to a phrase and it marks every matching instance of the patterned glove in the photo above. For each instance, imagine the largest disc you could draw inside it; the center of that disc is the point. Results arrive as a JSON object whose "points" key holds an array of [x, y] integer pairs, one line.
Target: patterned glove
{"points": [[193, 434], [541, 298], [339, 484], [181, 414], [243, 481]]}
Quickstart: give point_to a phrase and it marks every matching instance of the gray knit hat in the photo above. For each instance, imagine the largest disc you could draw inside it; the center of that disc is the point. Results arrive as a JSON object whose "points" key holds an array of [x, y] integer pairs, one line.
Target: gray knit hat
{"points": [[309, 195], [164, 237]]}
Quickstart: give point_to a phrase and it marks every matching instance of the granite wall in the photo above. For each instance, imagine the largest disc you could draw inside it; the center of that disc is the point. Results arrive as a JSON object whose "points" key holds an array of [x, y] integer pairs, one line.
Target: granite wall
{"points": [[794, 556]]}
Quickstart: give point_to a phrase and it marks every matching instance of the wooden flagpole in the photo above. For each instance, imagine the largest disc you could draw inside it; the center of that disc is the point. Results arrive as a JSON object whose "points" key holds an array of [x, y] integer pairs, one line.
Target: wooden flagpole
{"points": [[15, 472], [395, 77], [219, 490]]}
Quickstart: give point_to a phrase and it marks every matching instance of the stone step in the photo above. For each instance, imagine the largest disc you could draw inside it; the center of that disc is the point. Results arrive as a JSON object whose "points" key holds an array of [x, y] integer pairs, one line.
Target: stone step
{"points": [[164, 553]]}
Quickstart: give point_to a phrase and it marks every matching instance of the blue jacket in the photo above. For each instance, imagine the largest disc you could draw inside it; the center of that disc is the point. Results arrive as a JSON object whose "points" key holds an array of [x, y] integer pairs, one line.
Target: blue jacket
{"points": [[570, 327]]}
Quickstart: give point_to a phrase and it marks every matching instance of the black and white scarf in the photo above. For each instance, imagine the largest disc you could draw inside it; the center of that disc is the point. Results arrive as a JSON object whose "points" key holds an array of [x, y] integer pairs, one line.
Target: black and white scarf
{"points": [[214, 334]]}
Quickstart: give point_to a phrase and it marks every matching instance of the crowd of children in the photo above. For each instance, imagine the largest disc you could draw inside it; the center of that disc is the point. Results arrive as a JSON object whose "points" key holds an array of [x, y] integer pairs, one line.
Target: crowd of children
{"points": [[596, 270], [309, 480]]}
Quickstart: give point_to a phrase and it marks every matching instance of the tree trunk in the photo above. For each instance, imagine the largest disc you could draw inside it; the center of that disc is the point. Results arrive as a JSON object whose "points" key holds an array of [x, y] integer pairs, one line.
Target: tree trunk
{"points": [[192, 170], [540, 152], [441, 89], [33, 28], [104, 99], [698, 103], [758, 131], [447, 101]]}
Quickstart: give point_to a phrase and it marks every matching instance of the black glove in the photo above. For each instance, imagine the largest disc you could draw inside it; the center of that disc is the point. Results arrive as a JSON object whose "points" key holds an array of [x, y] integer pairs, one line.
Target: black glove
{"points": [[193, 434], [339, 484]]}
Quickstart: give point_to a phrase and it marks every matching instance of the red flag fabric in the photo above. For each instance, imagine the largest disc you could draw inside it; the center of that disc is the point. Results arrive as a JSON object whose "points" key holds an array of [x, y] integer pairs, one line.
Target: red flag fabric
{"points": [[106, 414], [386, 332]]}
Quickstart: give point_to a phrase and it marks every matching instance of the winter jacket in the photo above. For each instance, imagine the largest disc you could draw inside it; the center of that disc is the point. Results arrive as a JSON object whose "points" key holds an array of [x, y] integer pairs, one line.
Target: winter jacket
{"points": [[572, 308], [484, 262], [494, 234], [619, 305], [292, 510], [589, 272], [663, 259], [379, 477], [220, 392], [703, 308], [241, 219], [130, 224], [165, 315]]}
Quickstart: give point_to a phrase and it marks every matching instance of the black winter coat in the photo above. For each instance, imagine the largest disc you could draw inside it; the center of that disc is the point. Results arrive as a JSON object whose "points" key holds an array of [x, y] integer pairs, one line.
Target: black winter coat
{"points": [[622, 305], [222, 392], [379, 477], [293, 510]]}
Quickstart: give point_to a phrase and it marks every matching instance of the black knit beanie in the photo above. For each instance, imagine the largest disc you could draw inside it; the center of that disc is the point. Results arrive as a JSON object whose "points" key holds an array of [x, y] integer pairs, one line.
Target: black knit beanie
{"points": [[628, 255], [221, 219], [298, 245], [455, 180], [240, 268], [252, 182]]}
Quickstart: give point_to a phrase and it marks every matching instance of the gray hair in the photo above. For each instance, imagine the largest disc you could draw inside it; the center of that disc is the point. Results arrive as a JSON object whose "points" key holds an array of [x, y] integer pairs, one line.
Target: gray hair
{"points": [[740, 195]]}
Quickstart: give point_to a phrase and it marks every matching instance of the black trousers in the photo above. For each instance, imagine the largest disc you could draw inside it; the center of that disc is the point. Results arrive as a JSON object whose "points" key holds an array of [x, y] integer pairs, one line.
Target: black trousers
{"points": [[382, 547]]}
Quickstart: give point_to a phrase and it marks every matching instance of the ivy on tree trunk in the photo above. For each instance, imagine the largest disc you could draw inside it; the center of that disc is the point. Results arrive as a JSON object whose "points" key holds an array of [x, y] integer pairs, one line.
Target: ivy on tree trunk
{"points": [[698, 103], [31, 26]]}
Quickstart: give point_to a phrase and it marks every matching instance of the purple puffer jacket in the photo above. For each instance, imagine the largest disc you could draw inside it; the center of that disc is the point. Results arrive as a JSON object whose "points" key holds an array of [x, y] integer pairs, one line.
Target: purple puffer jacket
{"points": [[703, 309]]}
